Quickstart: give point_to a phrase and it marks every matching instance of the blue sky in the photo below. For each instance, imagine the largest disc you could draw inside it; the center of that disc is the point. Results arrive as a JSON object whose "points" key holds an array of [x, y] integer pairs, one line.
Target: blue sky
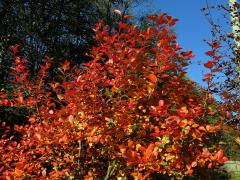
{"points": [[192, 28]]}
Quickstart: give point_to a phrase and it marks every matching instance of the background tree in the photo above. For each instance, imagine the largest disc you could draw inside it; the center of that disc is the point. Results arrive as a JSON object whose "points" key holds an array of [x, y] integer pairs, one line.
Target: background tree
{"points": [[224, 20], [59, 29], [226, 62]]}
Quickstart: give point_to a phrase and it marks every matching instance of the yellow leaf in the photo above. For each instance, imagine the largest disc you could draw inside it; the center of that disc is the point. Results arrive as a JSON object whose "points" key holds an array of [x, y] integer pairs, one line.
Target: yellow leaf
{"points": [[122, 148], [237, 140], [138, 146], [184, 109]]}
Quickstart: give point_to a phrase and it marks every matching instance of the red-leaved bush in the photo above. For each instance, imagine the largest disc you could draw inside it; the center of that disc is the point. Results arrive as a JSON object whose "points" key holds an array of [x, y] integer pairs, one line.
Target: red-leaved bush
{"points": [[129, 111]]}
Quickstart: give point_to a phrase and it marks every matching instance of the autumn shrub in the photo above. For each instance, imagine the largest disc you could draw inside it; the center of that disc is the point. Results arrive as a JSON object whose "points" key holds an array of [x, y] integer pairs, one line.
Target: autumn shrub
{"points": [[130, 111]]}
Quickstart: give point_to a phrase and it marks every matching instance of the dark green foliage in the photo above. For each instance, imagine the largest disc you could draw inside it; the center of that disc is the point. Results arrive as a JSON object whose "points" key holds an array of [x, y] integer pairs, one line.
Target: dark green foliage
{"points": [[12, 116]]}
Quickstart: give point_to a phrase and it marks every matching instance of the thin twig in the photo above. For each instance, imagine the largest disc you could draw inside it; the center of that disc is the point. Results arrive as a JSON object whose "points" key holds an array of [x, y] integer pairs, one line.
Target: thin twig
{"points": [[110, 171], [79, 152]]}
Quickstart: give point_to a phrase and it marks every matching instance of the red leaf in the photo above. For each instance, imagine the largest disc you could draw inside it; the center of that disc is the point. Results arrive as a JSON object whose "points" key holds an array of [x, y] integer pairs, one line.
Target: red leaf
{"points": [[207, 77], [216, 45], [19, 165], [212, 85], [187, 53], [127, 17], [152, 17], [15, 49], [206, 152], [172, 22], [161, 19], [210, 64], [3, 124], [122, 25], [216, 70], [217, 57], [164, 75], [210, 53]]}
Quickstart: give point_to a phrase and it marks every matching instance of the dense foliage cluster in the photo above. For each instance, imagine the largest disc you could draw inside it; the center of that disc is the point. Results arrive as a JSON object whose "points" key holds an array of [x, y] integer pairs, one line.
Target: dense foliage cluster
{"points": [[130, 111]]}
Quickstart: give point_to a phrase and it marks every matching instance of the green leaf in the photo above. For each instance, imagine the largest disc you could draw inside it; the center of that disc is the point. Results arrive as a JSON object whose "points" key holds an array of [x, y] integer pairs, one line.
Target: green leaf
{"points": [[135, 127], [222, 142], [173, 108], [109, 93], [164, 163], [110, 120]]}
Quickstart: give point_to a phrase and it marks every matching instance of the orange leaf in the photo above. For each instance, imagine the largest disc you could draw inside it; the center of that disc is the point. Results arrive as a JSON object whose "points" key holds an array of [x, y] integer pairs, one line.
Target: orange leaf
{"points": [[169, 149], [38, 136], [210, 128], [18, 172], [208, 77], [122, 148], [19, 165], [219, 157], [130, 144], [149, 150], [201, 128], [66, 65], [152, 78], [20, 99], [183, 109], [189, 171]]}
